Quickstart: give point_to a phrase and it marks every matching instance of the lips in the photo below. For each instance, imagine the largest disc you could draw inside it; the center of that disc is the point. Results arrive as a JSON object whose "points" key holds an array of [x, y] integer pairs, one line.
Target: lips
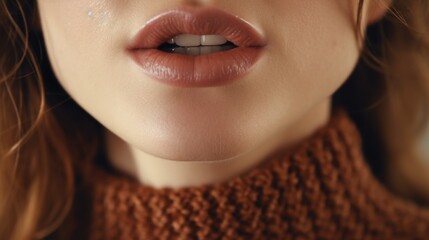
{"points": [[209, 70]]}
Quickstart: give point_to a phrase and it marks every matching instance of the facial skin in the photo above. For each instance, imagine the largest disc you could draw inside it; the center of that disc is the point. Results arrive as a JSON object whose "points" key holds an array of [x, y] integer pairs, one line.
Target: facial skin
{"points": [[311, 50]]}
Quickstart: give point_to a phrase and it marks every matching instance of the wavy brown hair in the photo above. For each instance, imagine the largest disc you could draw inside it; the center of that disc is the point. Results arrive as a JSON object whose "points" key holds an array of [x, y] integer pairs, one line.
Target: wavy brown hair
{"points": [[47, 141]]}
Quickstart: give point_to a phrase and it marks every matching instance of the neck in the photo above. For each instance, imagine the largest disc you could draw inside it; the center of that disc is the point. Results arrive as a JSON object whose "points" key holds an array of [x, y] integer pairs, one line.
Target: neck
{"points": [[158, 172]]}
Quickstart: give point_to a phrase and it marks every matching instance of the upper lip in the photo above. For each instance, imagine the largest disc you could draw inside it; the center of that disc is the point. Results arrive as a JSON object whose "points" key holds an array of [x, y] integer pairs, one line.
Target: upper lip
{"points": [[197, 21]]}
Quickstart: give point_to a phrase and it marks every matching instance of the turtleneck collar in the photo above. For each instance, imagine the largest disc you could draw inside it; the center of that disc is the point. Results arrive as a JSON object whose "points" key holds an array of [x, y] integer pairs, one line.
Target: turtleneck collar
{"points": [[320, 189]]}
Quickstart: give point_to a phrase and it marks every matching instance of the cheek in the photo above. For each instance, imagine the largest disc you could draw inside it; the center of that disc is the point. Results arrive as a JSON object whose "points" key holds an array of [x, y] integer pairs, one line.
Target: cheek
{"points": [[61, 21], [316, 45], [77, 34]]}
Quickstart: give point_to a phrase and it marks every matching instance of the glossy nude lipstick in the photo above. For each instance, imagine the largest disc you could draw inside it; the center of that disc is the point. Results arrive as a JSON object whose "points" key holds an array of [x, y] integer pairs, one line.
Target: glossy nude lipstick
{"points": [[181, 70]]}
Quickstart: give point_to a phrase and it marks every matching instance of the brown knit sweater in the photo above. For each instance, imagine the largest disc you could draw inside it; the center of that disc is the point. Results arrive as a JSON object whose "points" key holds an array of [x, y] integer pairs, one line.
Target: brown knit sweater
{"points": [[322, 189]]}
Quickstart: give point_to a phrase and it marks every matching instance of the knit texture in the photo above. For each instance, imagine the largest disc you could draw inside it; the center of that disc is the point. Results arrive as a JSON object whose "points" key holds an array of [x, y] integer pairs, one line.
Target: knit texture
{"points": [[321, 189]]}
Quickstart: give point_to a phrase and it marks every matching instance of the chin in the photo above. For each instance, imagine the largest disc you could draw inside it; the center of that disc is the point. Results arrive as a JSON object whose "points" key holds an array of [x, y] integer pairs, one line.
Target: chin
{"points": [[198, 146]]}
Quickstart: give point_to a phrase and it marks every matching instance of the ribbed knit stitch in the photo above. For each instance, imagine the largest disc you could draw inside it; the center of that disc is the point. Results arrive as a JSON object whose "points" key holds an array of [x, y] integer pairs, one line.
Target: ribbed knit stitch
{"points": [[321, 189]]}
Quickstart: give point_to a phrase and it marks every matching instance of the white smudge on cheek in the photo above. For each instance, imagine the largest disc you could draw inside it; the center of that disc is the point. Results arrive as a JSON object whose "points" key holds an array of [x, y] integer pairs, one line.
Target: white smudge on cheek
{"points": [[99, 11]]}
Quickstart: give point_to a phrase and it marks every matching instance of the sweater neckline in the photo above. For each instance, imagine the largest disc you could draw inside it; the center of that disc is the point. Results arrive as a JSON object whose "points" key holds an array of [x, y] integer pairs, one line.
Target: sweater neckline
{"points": [[321, 189]]}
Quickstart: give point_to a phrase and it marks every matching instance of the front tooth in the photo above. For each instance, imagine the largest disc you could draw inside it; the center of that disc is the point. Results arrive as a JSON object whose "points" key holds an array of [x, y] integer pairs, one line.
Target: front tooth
{"points": [[210, 40], [188, 40], [179, 50], [206, 50], [210, 49], [193, 51]]}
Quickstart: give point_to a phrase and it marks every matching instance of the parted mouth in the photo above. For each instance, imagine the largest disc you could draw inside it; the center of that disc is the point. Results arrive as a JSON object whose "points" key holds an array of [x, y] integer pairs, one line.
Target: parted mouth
{"points": [[195, 45], [196, 31]]}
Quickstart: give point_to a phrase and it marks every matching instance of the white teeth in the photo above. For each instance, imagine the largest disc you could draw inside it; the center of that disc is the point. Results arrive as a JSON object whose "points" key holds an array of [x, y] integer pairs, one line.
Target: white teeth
{"points": [[206, 50], [171, 41], [210, 40], [202, 50], [193, 51], [195, 45], [180, 50], [190, 40]]}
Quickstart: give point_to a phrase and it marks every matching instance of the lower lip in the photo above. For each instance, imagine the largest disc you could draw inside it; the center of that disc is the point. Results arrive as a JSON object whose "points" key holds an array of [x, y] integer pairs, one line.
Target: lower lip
{"points": [[211, 70]]}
